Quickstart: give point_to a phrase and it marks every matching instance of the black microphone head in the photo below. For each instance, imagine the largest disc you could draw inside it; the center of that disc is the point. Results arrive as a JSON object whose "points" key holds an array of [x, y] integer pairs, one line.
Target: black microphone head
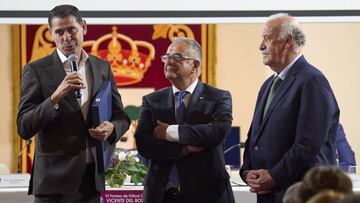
{"points": [[73, 57]]}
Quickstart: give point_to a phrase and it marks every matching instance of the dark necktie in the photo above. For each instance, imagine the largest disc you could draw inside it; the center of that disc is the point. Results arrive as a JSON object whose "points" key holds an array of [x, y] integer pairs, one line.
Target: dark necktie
{"points": [[274, 87], [180, 108]]}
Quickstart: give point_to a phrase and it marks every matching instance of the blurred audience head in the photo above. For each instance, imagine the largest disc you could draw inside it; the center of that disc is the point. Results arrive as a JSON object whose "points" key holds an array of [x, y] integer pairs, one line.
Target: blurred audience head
{"points": [[291, 194], [323, 178], [327, 196], [351, 198]]}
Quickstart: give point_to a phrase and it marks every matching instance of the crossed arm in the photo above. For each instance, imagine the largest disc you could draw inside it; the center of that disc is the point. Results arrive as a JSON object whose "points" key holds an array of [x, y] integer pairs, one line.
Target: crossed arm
{"points": [[151, 134]]}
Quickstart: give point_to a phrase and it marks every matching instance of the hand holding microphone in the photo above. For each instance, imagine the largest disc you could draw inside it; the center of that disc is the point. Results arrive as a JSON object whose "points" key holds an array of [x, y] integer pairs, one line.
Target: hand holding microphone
{"points": [[73, 59], [72, 81]]}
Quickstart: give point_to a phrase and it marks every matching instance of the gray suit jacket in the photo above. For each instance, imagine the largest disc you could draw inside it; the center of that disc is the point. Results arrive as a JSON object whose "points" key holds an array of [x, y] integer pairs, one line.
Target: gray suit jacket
{"points": [[59, 162]]}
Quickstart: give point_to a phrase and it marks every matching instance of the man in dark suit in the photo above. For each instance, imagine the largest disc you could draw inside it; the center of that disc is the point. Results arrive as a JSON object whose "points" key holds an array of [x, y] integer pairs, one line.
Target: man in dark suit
{"points": [[296, 115], [181, 130], [346, 156], [68, 163]]}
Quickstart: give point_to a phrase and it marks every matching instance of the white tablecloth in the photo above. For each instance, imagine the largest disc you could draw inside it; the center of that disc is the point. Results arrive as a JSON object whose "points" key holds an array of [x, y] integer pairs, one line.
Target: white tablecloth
{"points": [[15, 195]]}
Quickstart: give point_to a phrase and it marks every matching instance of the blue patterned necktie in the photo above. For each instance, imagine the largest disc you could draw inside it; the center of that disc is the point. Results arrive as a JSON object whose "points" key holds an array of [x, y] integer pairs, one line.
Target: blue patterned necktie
{"points": [[180, 107]]}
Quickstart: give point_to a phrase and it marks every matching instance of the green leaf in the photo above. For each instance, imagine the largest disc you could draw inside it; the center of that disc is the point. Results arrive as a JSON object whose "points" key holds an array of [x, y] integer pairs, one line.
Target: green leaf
{"points": [[116, 175]]}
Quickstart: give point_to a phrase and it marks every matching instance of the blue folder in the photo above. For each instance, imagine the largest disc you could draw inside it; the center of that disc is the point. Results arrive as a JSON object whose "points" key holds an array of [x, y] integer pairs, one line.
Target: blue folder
{"points": [[102, 111], [102, 104]]}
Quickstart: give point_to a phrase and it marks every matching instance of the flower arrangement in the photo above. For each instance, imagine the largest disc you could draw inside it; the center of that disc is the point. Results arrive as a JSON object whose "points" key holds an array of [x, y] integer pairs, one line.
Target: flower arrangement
{"points": [[125, 163]]}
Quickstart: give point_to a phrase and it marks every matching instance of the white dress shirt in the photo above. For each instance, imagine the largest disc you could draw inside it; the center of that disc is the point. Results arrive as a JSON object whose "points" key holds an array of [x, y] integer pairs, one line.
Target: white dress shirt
{"points": [[172, 132]]}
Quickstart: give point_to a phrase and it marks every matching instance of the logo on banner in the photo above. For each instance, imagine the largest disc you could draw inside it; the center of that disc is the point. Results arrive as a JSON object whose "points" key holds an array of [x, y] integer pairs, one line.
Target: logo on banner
{"points": [[129, 59], [128, 64]]}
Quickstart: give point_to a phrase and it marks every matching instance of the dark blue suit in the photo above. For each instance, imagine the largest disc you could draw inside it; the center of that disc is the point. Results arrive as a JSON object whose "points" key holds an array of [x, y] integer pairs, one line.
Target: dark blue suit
{"points": [[346, 155], [297, 132], [207, 120]]}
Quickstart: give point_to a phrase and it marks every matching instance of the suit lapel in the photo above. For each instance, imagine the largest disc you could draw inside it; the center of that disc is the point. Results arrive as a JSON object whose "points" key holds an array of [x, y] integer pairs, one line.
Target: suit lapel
{"points": [[55, 69], [284, 87], [96, 76], [169, 106], [281, 91], [258, 115], [56, 72], [196, 96]]}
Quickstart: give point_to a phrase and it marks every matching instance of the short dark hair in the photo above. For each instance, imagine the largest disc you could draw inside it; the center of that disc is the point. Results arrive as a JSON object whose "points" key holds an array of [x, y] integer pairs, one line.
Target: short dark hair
{"points": [[63, 11]]}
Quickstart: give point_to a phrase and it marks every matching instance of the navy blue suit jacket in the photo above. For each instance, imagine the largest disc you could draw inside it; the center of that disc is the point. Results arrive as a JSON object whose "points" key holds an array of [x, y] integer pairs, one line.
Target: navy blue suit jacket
{"points": [[208, 119], [299, 129], [346, 155]]}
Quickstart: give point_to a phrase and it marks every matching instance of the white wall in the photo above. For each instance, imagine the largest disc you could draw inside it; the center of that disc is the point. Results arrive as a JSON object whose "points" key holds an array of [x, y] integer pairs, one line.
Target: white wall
{"points": [[6, 101], [332, 47]]}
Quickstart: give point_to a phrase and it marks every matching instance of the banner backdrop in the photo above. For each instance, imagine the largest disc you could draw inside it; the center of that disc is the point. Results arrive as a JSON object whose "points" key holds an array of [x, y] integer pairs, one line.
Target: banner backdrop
{"points": [[133, 52]]}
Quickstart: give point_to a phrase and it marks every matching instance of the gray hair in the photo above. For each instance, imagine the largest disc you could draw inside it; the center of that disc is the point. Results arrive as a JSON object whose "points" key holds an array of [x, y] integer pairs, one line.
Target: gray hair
{"points": [[195, 46], [290, 27]]}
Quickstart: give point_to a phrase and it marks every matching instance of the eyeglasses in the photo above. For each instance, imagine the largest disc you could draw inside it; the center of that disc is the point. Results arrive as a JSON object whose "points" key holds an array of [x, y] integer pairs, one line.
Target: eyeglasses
{"points": [[176, 57]]}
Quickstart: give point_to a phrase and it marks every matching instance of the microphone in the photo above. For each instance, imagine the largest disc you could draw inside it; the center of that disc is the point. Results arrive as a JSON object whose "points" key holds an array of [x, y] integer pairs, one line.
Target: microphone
{"points": [[230, 148], [240, 145], [25, 146], [73, 58]]}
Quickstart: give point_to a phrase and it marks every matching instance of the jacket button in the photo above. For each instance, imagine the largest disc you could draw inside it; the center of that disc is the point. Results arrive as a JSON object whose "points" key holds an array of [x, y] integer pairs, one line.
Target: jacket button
{"points": [[256, 148]]}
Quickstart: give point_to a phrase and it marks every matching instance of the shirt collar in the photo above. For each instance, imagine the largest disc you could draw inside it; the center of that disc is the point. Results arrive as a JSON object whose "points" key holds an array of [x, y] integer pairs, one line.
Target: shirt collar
{"points": [[189, 89], [63, 58], [285, 71]]}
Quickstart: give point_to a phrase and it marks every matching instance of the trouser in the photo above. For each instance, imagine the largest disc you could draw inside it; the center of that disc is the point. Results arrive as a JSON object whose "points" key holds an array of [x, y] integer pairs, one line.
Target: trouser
{"points": [[86, 193]]}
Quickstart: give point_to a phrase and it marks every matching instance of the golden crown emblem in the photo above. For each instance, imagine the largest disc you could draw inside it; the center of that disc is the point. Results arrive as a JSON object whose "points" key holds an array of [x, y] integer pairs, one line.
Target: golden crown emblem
{"points": [[128, 65]]}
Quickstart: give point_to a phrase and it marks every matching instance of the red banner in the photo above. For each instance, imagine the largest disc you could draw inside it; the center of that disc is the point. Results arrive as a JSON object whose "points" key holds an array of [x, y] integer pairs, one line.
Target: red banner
{"points": [[133, 52]]}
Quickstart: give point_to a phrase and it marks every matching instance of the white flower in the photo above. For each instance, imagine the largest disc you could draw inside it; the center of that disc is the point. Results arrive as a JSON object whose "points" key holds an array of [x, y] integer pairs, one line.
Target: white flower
{"points": [[122, 156], [136, 159], [134, 153]]}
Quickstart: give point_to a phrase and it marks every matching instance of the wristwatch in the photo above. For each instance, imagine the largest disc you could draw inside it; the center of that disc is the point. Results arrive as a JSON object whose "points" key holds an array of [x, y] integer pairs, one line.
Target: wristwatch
{"points": [[56, 106]]}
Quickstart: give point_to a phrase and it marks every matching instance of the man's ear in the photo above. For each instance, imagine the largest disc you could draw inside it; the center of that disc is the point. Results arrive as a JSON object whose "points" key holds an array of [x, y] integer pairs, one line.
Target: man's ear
{"points": [[289, 41], [50, 31], [196, 63], [84, 26]]}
